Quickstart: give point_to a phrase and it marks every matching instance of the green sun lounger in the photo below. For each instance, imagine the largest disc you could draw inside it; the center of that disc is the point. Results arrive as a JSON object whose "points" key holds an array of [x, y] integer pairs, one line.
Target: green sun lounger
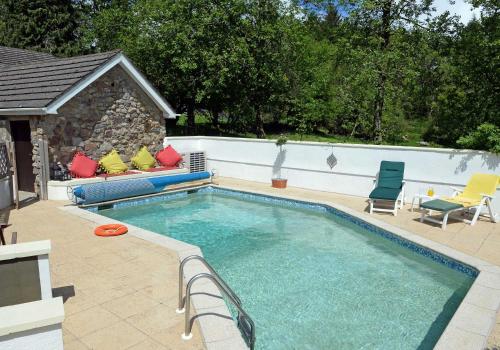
{"points": [[440, 205], [389, 186]]}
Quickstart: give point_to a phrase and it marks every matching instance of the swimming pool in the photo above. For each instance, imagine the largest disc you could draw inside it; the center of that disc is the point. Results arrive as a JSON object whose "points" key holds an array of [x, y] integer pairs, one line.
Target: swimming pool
{"points": [[310, 276]]}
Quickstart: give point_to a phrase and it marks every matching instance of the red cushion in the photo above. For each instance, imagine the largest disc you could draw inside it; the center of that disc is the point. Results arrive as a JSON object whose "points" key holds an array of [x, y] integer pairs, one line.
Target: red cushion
{"points": [[83, 166], [168, 156]]}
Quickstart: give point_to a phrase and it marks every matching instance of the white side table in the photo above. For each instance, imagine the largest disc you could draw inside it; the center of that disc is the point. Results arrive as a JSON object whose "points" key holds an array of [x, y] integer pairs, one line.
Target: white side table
{"points": [[420, 198]]}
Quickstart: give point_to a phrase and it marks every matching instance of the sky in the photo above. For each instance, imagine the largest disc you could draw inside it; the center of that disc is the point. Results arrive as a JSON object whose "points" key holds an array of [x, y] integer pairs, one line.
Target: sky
{"points": [[460, 8]]}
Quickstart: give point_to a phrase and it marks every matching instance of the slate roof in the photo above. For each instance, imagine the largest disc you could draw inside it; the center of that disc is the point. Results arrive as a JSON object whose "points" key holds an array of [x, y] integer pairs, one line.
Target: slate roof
{"points": [[36, 83], [10, 56]]}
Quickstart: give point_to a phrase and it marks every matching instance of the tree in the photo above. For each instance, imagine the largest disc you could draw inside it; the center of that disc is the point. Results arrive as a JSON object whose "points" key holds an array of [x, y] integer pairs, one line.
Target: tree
{"points": [[386, 18], [42, 25], [102, 22], [469, 93], [190, 49], [264, 76], [369, 69]]}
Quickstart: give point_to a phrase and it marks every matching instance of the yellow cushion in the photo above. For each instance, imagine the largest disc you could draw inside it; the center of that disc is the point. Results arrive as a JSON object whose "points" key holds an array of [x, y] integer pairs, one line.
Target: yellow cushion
{"points": [[477, 185], [143, 160], [112, 163]]}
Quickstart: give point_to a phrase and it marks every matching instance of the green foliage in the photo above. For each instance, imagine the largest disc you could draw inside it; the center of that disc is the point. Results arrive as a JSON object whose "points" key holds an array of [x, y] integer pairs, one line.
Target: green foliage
{"points": [[42, 25], [485, 137], [221, 56], [281, 140], [352, 70], [469, 91]]}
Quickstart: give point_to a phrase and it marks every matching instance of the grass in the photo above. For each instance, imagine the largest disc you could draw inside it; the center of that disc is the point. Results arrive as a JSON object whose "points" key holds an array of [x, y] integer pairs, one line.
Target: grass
{"points": [[318, 138], [412, 135]]}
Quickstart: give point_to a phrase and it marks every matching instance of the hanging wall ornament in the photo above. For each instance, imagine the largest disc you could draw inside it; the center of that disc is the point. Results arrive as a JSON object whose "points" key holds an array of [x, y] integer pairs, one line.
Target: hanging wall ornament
{"points": [[331, 160]]}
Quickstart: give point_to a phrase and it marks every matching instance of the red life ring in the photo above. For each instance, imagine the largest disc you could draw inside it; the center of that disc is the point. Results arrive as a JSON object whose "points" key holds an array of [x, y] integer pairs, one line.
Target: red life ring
{"points": [[110, 230]]}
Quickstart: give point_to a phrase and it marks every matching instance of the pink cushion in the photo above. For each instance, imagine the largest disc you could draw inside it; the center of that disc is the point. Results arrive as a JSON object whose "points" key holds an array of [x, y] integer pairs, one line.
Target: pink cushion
{"points": [[168, 156], [83, 166]]}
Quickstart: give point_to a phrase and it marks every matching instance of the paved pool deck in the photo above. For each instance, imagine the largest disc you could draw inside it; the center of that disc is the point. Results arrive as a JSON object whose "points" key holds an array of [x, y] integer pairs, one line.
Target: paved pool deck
{"points": [[125, 288], [121, 292]]}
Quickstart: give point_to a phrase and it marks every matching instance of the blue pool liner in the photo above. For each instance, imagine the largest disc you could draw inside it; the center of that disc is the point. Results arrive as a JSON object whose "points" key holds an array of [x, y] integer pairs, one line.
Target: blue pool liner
{"points": [[119, 189], [421, 250], [416, 248]]}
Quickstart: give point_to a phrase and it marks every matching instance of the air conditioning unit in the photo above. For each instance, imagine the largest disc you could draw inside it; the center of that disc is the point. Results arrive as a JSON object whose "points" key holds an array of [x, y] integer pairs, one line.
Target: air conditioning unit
{"points": [[195, 161]]}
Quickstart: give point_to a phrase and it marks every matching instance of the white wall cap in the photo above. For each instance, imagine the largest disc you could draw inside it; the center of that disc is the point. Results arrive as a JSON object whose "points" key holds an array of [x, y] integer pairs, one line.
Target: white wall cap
{"points": [[26, 316], [337, 145], [22, 250]]}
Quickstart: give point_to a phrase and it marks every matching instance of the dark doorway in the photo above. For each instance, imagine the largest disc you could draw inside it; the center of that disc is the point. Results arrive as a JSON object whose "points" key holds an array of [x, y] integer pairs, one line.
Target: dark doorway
{"points": [[21, 135]]}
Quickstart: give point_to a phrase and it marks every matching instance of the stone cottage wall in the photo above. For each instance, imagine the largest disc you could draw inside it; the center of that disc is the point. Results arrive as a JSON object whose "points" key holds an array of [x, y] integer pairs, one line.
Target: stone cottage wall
{"points": [[111, 113], [37, 134], [4, 130]]}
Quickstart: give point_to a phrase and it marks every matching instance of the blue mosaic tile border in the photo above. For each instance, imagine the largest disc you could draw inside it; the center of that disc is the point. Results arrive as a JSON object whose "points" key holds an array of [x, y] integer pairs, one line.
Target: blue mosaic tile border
{"points": [[285, 202], [150, 200], [134, 202]]}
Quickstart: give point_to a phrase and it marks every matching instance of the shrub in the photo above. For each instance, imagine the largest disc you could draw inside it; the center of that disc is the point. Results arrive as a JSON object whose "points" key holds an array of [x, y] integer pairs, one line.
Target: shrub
{"points": [[485, 137], [282, 139]]}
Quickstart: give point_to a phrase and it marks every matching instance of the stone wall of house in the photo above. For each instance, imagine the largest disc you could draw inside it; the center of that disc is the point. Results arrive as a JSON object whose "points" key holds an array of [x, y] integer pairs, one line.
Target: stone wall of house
{"points": [[37, 134], [4, 130], [111, 113]]}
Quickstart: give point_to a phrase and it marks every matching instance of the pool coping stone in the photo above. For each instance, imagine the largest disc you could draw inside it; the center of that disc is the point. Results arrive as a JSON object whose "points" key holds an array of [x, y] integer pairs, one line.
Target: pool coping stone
{"points": [[214, 320]]}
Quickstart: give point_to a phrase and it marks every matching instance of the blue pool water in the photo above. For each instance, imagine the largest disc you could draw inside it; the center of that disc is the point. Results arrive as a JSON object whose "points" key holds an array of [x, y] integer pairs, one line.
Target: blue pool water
{"points": [[310, 278]]}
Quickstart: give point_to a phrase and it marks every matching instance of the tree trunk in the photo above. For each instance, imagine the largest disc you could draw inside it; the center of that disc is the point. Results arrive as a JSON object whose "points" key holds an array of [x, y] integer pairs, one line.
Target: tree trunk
{"points": [[215, 120], [190, 118], [379, 108], [259, 124], [385, 35]]}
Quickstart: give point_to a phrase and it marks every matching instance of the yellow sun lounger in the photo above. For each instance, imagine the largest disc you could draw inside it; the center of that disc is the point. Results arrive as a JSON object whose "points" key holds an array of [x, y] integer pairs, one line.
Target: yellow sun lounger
{"points": [[478, 192]]}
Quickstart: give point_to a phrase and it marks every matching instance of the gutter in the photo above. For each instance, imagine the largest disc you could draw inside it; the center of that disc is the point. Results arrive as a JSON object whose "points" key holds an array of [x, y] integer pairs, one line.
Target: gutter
{"points": [[25, 111]]}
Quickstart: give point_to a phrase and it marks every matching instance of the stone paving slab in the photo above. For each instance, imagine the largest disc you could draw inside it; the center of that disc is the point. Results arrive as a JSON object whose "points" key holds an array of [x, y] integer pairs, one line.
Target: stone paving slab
{"points": [[121, 292]]}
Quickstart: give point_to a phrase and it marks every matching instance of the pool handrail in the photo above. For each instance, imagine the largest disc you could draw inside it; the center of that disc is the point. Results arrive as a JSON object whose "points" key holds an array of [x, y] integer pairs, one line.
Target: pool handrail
{"points": [[182, 302], [242, 315]]}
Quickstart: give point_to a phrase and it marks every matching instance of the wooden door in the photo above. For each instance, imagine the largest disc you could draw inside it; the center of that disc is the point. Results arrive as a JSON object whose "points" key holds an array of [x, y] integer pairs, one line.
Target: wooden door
{"points": [[21, 135]]}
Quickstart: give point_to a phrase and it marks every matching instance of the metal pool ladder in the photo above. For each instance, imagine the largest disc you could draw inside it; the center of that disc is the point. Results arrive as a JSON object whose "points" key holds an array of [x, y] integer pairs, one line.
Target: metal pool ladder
{"points": [[244, 322]]}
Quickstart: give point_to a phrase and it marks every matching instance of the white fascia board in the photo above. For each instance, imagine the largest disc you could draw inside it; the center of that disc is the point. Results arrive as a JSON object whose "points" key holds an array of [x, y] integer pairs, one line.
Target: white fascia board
{"points": [[23, 111], [120, 59]]}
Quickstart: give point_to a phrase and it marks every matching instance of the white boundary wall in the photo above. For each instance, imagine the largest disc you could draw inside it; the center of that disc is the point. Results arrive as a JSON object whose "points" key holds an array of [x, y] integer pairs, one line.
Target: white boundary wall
{"points": [[305, 165], [43, 338], [36, 324]]}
